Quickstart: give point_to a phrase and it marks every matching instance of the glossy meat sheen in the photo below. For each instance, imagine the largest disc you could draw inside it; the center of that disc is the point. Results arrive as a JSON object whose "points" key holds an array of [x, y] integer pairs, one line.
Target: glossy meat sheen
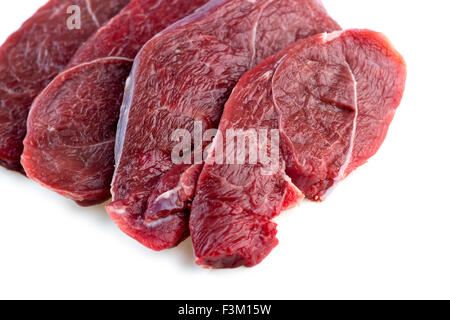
{"points": [[32, 56], [69, 147], [332, 98], [185, 75]]}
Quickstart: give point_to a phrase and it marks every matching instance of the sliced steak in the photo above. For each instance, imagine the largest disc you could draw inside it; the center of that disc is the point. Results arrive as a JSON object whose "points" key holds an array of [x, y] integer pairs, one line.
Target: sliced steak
{"points": [[331, 99], [32, 56], [72, 125], [181, 77]]}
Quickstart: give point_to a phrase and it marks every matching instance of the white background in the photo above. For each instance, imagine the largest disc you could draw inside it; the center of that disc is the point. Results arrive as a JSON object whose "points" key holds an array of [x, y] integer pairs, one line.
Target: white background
{"points": [[384, 233]]}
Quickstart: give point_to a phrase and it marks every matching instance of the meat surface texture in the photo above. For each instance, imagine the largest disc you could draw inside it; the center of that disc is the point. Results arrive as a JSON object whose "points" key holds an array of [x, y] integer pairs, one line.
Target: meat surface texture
{"points": [[32, 56], [183, 77], [331, 98], [72, 125]]}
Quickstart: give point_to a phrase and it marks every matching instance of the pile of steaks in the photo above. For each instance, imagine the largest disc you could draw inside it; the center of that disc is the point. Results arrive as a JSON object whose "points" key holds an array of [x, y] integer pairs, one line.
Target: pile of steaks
{"points": [[140, 98]]}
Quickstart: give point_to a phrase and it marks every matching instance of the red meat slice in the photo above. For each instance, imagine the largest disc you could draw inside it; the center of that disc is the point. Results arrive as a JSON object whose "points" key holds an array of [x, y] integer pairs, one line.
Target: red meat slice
{"points": [[69, 147], [332, 97], [33, 56], [185, 75]]}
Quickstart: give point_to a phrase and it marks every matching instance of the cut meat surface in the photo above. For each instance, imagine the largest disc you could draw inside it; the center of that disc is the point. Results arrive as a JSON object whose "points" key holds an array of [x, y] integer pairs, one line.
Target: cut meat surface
{"points": [[183, 77], [32, 56], [72, 125], [331, 98]]}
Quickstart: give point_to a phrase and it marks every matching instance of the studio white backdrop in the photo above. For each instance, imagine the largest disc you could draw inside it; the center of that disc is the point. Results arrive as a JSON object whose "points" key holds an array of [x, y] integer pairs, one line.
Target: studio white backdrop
{"points": [[383, 233]]}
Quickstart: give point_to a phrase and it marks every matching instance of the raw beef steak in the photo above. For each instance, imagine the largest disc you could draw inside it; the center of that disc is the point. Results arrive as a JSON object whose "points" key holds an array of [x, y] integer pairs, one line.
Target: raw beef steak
{"points": [[34, 55], [69, 147], [183, 77], [331, 98]]}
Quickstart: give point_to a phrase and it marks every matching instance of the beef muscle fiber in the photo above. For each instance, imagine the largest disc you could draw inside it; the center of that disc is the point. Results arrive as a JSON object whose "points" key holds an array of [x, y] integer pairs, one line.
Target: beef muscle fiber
{"points": [[32, 56], [69, 146], [332, 98], [184, 76]]}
